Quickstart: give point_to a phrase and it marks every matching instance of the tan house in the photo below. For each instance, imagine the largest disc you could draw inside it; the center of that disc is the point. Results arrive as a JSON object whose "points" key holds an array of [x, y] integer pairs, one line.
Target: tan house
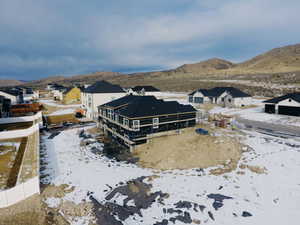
{"points": [[71, 95]]}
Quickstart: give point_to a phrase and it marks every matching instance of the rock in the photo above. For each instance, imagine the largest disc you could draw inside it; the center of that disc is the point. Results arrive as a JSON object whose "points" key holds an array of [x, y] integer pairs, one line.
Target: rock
{"points": [[183, 204], [211, 215], [163, 222], [246, 214]]}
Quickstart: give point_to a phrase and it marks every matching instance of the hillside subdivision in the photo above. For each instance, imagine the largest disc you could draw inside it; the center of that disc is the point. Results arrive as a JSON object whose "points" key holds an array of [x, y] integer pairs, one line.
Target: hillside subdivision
{"points": [[104, 154]]}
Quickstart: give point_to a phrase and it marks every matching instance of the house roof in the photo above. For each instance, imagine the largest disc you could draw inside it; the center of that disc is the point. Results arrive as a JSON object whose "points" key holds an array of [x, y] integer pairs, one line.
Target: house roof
{"points": [[205, 92], [12, 92], [217, 91], [236, 93], [146, 88], [143, 106], [103, 87], [295, 96]]}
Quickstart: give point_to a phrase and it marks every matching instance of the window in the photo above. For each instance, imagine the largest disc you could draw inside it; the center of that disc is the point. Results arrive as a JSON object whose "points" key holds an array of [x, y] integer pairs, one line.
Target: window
{"points": [[90, 101], [290, 100], [136, 124], [191, 99], [126, 122], [198, 100], [155, 122], [222, 99], [117, 117], [109, 113]]}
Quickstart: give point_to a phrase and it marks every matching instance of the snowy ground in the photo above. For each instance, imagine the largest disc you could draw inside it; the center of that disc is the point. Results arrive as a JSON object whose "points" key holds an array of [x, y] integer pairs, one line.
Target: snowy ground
{"points": [[56, 104], [63, 111], [271, 198], [258, 114]]}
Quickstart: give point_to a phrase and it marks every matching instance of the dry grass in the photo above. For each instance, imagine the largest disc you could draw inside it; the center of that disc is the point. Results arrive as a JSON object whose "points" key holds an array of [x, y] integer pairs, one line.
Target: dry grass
{"points": [[58, 119], [191, 150], [48, 109], [10, 162], [15, 126]]}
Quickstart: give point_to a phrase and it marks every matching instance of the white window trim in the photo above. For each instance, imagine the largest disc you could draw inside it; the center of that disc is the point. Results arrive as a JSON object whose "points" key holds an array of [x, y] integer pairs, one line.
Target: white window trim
{"points": [[155, 122], [126, 122], [136, 124]]}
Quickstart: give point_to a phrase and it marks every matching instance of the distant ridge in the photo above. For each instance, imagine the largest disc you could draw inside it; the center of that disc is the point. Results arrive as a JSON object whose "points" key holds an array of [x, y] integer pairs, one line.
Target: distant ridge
{"points": [[278, 60], [8, 83]]}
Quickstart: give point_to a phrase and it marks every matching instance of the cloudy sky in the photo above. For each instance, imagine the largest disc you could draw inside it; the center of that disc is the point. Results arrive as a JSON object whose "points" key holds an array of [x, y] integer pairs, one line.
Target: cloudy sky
{"points": [[39, 38]]}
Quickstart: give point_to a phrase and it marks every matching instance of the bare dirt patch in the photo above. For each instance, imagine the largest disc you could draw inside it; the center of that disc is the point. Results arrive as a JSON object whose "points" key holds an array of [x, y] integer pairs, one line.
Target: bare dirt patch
{"points": [[189, 150], [254, 169]]}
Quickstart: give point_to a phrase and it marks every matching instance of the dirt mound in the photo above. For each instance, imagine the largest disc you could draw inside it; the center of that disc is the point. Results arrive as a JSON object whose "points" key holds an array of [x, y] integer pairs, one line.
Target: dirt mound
{"points": [[189, 150]]}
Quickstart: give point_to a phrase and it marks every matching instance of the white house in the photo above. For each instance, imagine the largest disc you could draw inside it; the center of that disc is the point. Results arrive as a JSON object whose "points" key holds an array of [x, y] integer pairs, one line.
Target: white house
{"points": [[288, 104], [97, 94], [15, 97], [225, 96], [144, 90], [29, 94]]}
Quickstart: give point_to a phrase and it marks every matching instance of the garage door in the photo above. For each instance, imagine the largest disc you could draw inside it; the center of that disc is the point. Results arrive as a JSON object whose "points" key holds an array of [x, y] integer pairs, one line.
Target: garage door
{"points": [[269, 108], [198, 100], [289, 110]]}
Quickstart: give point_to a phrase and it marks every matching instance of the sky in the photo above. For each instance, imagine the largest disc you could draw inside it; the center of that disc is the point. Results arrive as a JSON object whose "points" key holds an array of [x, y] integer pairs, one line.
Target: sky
{"points": [[40, 38]]}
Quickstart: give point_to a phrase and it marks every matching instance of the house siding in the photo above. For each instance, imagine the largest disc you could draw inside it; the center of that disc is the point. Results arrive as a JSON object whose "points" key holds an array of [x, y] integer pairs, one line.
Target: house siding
{"points": [[72, 96]]}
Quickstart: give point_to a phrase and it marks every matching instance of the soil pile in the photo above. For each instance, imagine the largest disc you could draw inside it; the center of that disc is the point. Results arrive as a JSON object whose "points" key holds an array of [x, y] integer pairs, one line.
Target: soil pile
{"points": [[188, 150]]}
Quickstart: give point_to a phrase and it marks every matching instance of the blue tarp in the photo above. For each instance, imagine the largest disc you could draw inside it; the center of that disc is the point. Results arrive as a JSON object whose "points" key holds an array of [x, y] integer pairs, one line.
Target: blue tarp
{"points": [[201, 131]]}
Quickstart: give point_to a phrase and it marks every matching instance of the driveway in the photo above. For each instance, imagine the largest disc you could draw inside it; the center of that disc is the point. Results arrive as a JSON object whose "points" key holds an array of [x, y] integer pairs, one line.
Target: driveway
{"points": [[276, 129]]}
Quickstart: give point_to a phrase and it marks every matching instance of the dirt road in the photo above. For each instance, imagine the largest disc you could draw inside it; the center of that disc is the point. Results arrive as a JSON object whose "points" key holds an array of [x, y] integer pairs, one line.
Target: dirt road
{"points": [[276, 129]]}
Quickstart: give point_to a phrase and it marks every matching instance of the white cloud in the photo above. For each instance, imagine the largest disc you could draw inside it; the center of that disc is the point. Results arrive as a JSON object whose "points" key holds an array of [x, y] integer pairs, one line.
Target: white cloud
{"points": [[77, 36]]}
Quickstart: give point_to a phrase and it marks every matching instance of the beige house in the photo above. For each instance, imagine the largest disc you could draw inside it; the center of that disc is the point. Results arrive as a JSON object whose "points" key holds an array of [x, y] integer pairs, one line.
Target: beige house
{"points": [[97, 94]]}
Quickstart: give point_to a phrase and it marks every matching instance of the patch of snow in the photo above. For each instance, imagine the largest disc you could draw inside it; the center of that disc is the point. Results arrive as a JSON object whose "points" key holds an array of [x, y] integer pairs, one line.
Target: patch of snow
{"points": [[271, 198], [56, 104], [63, 112], [53, 202]]}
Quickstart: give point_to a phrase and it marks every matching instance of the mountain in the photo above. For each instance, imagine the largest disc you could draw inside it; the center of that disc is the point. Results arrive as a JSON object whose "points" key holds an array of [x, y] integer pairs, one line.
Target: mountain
{"points": [[210, 65], [278, 63], [80, 79], [7, 83], [282, 59]]}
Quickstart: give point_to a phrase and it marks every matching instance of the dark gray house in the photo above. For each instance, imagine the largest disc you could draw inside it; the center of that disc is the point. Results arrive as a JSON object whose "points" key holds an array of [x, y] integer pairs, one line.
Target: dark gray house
{"points": [[288, 104], [133, 119]]}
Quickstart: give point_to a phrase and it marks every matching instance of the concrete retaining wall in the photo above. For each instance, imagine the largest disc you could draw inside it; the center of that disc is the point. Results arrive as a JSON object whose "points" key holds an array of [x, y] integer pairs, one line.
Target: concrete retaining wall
{"points": [[19, 133], [36, 117], [29, 187], [19, 192]]}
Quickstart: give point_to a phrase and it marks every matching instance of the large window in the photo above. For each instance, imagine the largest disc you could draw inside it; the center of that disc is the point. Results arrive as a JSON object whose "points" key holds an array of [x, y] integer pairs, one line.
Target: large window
{"points": [[109, 113], [198, 100], [155, 122], [126, 122], [136, 124]]}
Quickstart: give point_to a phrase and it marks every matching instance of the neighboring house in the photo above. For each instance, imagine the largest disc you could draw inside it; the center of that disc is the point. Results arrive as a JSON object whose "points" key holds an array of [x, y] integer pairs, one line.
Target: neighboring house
{"points": [[4, 106], [288, 104], [29, 94], [53, 86], [57, 92], [15, 96], [71, 95], [97, 94], [134, 119], [144, 90], [225, 96]]}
